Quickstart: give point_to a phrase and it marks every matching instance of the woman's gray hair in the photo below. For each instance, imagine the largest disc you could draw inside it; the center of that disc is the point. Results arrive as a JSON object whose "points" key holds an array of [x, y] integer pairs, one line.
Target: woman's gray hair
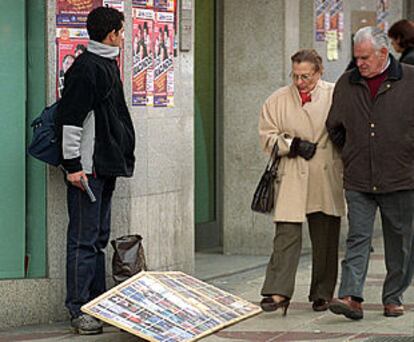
{"points": [[377, 36]]}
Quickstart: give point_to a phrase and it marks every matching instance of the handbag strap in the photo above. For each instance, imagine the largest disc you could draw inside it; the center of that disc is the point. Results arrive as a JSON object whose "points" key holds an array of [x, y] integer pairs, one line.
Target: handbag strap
{"points": [[274, 160]]}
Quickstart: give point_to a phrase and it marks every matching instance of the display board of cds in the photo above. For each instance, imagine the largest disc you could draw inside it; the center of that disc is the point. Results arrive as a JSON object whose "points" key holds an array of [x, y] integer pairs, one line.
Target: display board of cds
{"points": [[169, 306]]}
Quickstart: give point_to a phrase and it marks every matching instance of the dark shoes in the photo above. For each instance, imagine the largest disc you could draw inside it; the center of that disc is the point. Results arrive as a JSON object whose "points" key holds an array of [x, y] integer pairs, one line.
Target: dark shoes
{"points": [[86, 325], [320, 305], [268, 304], [393, 310], [346, 306]]}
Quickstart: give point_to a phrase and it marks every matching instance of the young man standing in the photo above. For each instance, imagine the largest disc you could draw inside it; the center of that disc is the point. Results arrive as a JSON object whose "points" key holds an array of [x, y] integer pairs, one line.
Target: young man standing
{"points": [[98, 144]]}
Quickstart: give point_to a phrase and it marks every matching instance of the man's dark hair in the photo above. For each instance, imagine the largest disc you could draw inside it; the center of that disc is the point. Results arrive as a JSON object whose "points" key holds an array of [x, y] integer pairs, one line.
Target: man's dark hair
{"points": [[103, 20]]}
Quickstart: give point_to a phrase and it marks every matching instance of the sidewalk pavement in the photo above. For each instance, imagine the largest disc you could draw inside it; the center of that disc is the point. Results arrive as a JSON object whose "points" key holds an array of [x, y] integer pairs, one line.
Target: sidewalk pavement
{"points": [[243, 276]]}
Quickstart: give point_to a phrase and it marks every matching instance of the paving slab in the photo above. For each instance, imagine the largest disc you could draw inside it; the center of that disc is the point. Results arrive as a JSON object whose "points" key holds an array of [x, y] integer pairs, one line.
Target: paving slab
{"points": [[300, 324]]}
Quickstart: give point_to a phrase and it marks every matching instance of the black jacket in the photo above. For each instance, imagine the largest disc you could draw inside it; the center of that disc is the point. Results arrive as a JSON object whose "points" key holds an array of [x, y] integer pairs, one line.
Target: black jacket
{"points": [[407, 56], [376, 135], [93, 84]]}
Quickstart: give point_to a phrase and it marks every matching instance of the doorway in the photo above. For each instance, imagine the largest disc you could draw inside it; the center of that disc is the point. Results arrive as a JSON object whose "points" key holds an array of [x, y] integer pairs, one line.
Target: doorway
{"points": [[208, 235]]}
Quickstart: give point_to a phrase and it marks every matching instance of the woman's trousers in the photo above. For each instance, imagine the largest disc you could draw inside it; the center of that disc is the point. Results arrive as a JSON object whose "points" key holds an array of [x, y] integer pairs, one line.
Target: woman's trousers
{"points": [[287, 245]]}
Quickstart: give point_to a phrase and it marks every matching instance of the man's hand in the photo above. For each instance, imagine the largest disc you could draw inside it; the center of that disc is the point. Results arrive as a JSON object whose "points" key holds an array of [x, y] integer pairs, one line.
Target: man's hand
{"points": [[338, 136], [74, 179], [302, 148]]}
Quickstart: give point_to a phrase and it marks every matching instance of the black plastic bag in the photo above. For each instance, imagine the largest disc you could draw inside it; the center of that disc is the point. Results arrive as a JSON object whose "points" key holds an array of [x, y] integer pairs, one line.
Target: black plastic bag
{"points": [[128, 258], [265, 193]]}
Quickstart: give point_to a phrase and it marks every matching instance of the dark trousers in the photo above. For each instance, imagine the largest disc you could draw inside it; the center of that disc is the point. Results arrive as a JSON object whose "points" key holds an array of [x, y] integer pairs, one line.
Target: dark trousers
{"points": [[287, 245], [397, 214], [87, 236]]}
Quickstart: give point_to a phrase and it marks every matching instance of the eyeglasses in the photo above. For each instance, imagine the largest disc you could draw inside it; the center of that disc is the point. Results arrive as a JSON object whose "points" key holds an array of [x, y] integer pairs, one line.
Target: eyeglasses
{"points": [[304, 77]]}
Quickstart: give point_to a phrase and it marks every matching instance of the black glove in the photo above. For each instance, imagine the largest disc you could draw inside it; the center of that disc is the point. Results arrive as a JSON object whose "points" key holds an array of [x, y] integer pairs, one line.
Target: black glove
{"points": [[302, 148]]}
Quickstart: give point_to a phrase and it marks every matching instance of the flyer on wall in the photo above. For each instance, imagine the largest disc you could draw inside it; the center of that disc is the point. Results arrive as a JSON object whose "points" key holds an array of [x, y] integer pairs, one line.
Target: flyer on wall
{"points": [[73, 13], [321, 18], [67, 49], [164, 5], [143, 3], [142, 56], [72, 36], [117, 4], [164, 59], [337, 18], [382, 14]]}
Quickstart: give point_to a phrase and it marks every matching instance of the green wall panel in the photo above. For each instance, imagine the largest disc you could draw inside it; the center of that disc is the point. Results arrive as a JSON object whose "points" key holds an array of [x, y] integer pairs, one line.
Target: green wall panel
{"points": [[12, 138], [35, 170]]}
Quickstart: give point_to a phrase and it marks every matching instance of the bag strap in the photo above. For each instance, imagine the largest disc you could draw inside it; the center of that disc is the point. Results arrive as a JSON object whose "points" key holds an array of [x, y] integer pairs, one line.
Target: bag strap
{"points": [[274, 159]]}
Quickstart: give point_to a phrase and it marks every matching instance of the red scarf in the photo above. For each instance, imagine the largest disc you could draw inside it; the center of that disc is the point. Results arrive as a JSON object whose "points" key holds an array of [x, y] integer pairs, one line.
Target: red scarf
{"points": [[305, 97]]}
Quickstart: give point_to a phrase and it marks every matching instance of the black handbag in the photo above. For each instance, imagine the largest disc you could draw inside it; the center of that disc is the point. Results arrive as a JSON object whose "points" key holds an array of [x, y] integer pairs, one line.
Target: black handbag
{"points": [[265, 193]]}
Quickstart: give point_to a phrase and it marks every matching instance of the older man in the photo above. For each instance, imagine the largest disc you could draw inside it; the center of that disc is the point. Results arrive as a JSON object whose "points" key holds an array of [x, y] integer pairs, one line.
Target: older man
{"points": [[372, 121]]}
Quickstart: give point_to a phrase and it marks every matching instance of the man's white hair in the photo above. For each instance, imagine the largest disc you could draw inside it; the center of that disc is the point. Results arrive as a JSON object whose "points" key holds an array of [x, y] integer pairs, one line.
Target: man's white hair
{"points": [[378, 37]]}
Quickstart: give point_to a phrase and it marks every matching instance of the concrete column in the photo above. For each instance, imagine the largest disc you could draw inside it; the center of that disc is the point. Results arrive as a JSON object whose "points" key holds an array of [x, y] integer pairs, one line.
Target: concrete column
{"points": [[292, 33], [254, 66]]}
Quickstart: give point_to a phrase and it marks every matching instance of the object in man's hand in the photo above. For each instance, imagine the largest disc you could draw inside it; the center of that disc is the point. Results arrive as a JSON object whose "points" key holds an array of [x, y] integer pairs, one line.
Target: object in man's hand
{"points": [[88, 189]]}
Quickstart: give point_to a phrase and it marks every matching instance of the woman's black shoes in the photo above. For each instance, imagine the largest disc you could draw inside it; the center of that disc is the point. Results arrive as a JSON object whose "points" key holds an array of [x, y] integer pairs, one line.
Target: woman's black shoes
{"points": [[268, 304]]}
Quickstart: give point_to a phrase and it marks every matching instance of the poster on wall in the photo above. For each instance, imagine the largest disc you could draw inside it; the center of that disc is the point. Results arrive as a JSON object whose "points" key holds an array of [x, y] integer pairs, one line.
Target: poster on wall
{"points": [[382, 14], [331, 37], [73, 13], [164, 5], [164, 59], [142, 56], [72, 36], [337, 18], [153, 50], [143, 3], [175, 30], [70, 43], [322, 18], [67, 51], [117, 4]]}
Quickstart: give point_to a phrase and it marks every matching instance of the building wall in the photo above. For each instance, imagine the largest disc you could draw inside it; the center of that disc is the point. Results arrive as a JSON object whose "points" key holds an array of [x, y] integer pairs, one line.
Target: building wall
{"points": [[156, 203], [253, 57], [334, 69], [259, 38], [408, 9]]}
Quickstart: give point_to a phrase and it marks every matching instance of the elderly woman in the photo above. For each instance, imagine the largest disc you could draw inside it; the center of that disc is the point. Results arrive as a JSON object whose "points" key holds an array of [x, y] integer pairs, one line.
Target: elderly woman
{"points": [[310, 184], [401, 34]]}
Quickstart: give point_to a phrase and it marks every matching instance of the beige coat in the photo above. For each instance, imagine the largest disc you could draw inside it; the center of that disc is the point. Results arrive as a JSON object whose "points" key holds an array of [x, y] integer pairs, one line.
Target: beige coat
{"points": [[304, 186]]}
